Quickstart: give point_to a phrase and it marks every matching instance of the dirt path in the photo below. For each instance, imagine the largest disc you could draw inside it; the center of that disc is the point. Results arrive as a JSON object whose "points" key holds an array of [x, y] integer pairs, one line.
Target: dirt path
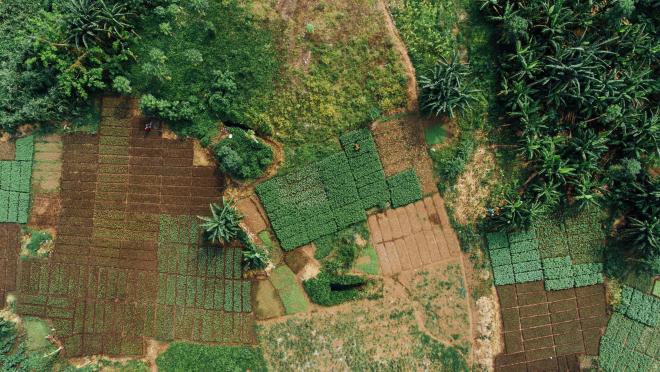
{"points": [[401, 48]]}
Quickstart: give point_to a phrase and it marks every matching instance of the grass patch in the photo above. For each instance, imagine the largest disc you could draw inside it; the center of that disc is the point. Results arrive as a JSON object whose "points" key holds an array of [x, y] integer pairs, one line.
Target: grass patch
{"points": [[341, 72], [434, 134], [184, 357], [292, 296], [367, 262], [36, 332]]}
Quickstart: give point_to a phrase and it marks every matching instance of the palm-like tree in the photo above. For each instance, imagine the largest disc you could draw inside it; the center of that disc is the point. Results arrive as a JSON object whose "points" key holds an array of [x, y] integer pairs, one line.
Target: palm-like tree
{"points": [[443, 90], [91, 21], [224, 224]]}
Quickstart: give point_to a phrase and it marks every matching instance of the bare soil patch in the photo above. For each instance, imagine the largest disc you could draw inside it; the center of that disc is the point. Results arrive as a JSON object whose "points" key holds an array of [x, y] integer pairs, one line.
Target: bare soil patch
{"points": [[267, 303], [474, 186], [401, 146], [550, 330], [7, 150], [370, 334], [45, 211], [410, 237]]}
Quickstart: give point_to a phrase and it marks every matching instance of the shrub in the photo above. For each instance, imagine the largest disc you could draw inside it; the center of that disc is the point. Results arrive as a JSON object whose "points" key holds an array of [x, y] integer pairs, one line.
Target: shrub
{"points": [[242, 155], [329, 290]]}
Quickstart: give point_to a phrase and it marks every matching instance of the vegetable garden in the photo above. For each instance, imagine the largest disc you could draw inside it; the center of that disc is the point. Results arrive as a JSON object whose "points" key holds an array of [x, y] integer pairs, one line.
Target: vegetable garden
{"points": [[128, 263], [329, 195], [15, 183], [632, 339]]}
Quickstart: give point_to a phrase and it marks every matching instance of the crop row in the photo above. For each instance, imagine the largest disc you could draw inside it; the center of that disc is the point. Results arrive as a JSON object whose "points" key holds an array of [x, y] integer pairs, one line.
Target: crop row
{"points": [[561, 273], [14, 206], [628, 345], [366, 167], [514, 257], [639, 306], [333, 193], [204, 293], [404, 188]]}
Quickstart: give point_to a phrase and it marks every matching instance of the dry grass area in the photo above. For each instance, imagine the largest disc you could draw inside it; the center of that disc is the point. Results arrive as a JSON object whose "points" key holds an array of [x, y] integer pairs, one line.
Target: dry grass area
{"points": [[419, 324], [474, 187]]}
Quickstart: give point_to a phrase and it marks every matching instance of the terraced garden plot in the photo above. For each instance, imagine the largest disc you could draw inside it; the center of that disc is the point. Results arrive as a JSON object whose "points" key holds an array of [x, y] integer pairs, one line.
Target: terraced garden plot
{"points": [[579, 235], [548, 330], [401, 146], [15, 183], [628, 345], [47, 169], [410, 237], [121, 270], [9, 248], [324, 197]]}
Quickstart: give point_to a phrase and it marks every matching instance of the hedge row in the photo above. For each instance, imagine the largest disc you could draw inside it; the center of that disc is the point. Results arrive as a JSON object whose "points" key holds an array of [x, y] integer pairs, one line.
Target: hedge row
{"points": [[329, 290], [628, 345], [561, 273], [404, 188], [332, 194], [514, 257], [15, 183], [639, 306]]}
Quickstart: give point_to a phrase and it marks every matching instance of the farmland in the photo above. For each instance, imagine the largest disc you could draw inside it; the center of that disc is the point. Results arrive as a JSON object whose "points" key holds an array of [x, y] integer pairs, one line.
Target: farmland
{"points": [[329, 185]]}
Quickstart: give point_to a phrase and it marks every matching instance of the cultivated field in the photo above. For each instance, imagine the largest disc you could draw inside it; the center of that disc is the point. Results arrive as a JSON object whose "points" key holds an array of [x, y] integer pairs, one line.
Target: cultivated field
{"points": [[128, 263], [547, 330]]}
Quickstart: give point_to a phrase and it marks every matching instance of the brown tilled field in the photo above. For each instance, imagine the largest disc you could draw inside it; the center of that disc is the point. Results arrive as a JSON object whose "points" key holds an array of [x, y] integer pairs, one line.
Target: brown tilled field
{"points": [[410, 237], [127, 263], [548, 330], [9, 248]]}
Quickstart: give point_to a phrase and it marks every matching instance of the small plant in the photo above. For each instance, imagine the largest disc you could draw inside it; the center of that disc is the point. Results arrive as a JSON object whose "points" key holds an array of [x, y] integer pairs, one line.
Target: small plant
{"points": [[224, 224], [255, 258], [443, 89], [93, 21]]}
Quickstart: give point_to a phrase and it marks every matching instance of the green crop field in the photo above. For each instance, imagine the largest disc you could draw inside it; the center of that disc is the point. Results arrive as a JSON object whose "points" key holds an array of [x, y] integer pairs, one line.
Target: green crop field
{"points": [[15, 183], [331, 194]]}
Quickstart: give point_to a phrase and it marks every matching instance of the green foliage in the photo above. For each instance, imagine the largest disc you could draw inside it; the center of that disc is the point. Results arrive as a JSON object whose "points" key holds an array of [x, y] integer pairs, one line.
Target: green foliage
{"points": [[629, 345], [581, 144], [194, 66], [243, 155], [15, 183], [180, 357], [89, 22], [7, 335], [338, 251], [639, 306], [443, 91], [517, 213], [404, 188], [224, 224], [328, 195], [292, 296], [330, 289]]}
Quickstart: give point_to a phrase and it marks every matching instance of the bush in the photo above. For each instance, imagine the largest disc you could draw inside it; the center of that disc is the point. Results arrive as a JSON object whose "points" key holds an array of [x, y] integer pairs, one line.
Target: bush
{"points": [[182, 357], [242, 155], [329, 290]]}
